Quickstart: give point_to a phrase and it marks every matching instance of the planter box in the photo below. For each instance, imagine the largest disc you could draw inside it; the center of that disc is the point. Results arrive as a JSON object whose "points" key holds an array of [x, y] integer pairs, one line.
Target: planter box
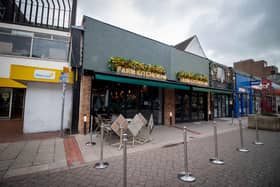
{"points": [[264, 122], [192, 81], [145, 74]]}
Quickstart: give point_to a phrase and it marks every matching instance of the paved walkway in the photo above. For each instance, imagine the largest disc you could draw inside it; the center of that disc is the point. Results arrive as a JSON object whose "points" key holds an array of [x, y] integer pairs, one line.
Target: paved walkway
{"points": [[31, 156], [159, 167]]}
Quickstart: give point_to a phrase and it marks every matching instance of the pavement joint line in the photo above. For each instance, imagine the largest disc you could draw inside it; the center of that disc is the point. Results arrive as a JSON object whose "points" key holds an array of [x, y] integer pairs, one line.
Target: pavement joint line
{"points": [[37, 152], [17, 155], [54, 152], [20, 171], [192, 131], [6, 147]]}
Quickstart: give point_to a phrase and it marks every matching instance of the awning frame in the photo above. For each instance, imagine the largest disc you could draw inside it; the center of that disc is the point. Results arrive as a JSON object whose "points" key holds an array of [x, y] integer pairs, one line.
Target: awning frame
{"points": [[10, 83], [140, 81]]}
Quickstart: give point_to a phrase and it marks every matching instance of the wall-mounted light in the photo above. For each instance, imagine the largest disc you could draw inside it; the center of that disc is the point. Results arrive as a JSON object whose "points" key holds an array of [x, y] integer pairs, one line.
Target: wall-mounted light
{"points": [[85, 118], [85, 124]]}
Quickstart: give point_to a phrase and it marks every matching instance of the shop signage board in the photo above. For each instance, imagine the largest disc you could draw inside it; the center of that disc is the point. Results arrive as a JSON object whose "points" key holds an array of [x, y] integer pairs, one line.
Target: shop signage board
{"points": [[44, 74], [30, 73]]}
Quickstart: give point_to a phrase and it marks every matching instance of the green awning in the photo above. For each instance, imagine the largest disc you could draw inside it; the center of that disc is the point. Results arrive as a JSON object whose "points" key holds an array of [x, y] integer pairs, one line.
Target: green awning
{"points": [[128, 80], [221, 91], [200, 89]]}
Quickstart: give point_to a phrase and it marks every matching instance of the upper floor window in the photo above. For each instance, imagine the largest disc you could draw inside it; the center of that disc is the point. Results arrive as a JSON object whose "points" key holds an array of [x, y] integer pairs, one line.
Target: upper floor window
{"points": [[37, 45]]}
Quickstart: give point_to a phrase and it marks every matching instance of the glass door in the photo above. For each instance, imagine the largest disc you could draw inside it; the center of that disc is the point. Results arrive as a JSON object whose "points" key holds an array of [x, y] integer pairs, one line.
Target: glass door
{"points": [[5, 102]]}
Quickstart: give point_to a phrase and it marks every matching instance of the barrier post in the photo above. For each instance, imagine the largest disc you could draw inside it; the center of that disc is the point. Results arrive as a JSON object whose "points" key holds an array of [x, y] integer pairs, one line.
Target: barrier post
{"points": [[124, 160], [186, 176], [257, 141], [241, 149], [91, 142], [101, 164], [216, 159]]}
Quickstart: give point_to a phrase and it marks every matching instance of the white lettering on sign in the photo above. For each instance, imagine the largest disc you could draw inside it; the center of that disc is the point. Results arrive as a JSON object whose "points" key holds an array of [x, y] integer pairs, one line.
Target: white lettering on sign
{"points": [[44, 74], [241, 90]]}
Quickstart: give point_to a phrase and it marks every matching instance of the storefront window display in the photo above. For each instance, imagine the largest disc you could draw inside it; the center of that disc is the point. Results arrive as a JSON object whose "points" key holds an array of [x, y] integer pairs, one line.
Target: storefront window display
{"points": [[190, 106], [118, 98], [221, 106]]}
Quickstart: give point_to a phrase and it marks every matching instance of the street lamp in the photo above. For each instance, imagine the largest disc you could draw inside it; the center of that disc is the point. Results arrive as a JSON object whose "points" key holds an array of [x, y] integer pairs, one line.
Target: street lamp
{"points": [[233, 98]]}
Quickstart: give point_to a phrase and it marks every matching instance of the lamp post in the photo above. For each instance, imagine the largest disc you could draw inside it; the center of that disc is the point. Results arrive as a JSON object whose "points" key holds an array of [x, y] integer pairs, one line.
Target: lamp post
{"points": [[233, 99]]}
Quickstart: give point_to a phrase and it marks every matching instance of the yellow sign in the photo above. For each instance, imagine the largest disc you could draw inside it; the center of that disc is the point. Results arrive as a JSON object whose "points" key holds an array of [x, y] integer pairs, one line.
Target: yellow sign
{"points": [[9, 83], [29, 73]]}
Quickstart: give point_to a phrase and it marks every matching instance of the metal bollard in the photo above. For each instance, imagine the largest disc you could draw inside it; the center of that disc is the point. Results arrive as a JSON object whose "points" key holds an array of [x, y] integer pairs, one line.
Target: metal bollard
{"points": [[121, 136], [216, 159], [101, 164], [241, 149], [257, 141], [124, 160], [186, 176], [91, 142]]}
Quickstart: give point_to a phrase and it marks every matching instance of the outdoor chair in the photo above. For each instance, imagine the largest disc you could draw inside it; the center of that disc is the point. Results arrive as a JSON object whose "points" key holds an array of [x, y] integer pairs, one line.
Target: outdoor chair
{"points": [[135, 127], [142, 118], [98, 121], [116, 127], [145, 133]]}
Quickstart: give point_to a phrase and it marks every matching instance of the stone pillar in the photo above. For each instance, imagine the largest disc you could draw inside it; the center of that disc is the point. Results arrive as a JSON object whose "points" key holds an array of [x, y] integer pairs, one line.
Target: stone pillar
{"points": [[85, 94], [169, 106]]}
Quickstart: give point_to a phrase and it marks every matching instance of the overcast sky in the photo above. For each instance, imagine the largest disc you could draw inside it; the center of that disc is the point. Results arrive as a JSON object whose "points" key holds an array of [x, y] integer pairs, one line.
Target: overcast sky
{"points": [[228, 31]]}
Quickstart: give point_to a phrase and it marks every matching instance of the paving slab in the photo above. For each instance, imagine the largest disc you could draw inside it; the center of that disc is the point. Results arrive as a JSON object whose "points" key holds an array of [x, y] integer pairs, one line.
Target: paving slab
{"points": [[26, 170], [160, 166], [51, 152], [12, 151]]}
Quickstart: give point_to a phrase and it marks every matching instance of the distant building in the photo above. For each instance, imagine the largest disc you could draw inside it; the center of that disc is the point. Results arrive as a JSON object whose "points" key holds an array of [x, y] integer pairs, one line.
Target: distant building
{"points": [[274, 78], [256, 68], [191, 45]]}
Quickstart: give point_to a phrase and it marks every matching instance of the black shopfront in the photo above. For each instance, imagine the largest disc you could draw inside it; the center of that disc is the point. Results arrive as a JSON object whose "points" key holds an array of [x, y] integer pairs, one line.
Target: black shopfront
{"points": [[190, 106], [221, 101], [109, 98]]}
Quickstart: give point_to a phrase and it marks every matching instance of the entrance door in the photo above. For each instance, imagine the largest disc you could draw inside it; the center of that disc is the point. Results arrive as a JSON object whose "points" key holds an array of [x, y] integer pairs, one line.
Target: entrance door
{"points": [[5, 102], [17, 103]]}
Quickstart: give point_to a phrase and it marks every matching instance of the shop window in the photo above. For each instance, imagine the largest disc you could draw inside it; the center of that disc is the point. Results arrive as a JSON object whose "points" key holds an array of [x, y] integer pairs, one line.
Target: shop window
{"points": [[182, 110], [127, 99], [5, 100], [50, 49], [46, 46], [15, 45]]}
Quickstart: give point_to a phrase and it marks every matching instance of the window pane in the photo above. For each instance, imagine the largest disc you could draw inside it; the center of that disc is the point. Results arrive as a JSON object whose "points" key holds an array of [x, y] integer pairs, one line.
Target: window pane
{"points": [[5, 97], [15, 45], [50, 49]]}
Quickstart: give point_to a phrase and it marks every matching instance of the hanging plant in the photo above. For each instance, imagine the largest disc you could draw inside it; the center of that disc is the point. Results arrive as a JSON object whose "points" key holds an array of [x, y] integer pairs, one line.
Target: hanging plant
{"points": [[132, 66], [192, 78]]}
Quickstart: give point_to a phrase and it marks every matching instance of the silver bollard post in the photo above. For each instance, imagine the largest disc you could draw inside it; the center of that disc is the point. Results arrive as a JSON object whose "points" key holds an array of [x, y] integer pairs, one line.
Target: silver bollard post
{"points": [[216, 159], [241, 149], [186, 176], [101, 164], [257, 141], [91, 142], [124, 160], [121, 136]]}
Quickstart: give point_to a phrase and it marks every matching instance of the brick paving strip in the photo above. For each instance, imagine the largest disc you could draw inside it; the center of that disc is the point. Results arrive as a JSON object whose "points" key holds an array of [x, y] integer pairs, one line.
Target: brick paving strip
{"points": [[72, 150]]}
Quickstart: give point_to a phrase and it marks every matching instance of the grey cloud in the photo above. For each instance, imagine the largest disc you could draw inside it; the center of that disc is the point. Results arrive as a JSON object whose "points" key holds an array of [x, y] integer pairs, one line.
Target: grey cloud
{"points": [[234, 30]]}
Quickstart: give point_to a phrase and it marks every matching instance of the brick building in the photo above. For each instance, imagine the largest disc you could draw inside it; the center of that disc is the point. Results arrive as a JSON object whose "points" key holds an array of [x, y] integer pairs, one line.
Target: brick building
{"points": [[256, 68]]}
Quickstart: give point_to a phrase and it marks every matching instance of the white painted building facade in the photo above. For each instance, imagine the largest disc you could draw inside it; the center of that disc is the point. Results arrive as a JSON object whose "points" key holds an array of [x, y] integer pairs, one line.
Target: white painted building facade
{"points": [[31, 62]]}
